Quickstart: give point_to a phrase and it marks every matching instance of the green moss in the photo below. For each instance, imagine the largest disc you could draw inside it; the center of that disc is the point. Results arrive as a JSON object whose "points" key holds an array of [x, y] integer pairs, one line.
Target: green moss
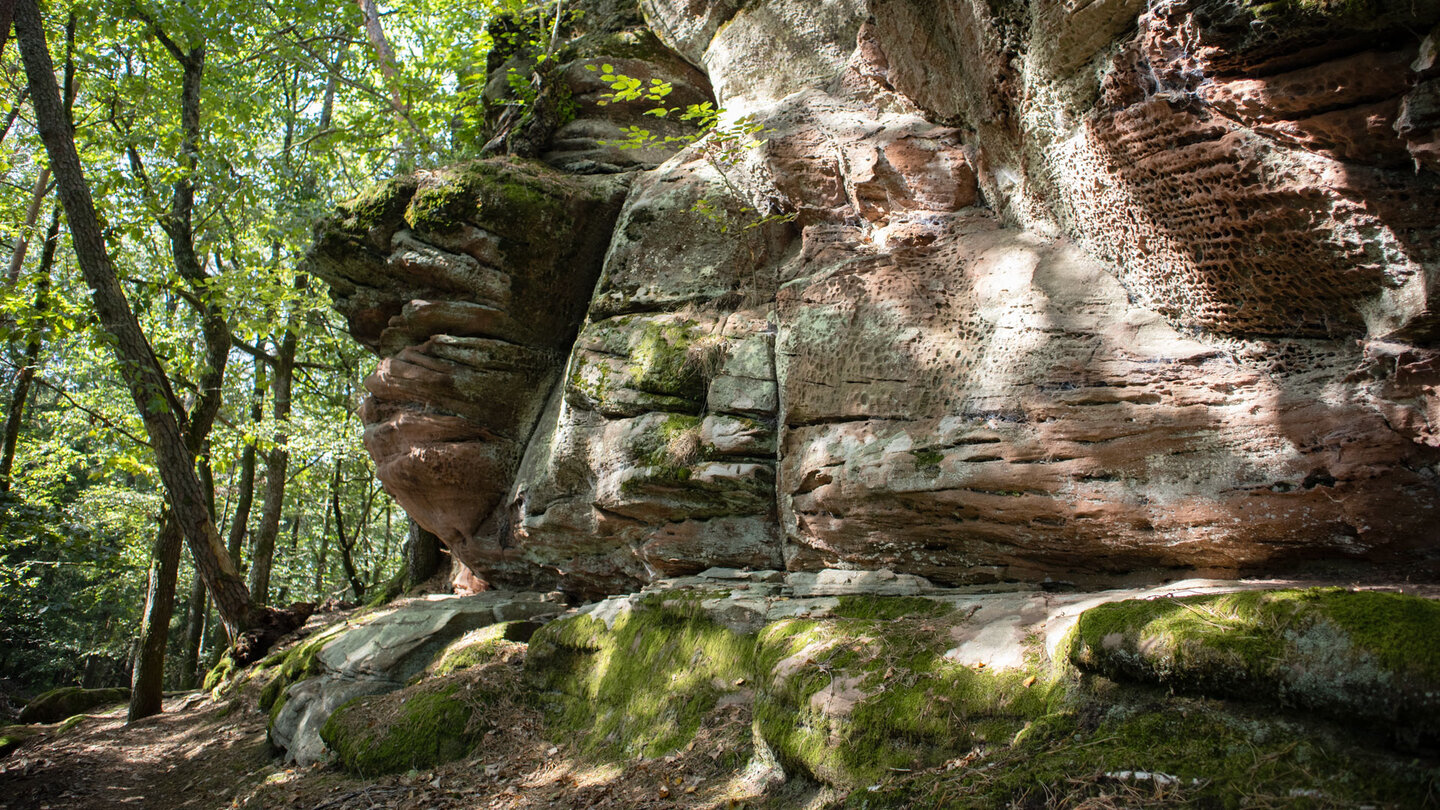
{"points": [[295, 664], [220, 674], [514, 198], [429, 728], [1217, 758], [1399, 630], [381, 204], [927, 459], [70, 724], [848, 701], [640, 687], [1364, 656], [12, 737], [659, 360], [477, 648], [889, 607], [67, 701]]}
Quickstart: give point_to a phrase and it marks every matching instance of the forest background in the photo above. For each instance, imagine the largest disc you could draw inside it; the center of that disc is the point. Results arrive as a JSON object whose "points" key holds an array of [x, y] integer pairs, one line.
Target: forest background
{"points": [[212, 135]]}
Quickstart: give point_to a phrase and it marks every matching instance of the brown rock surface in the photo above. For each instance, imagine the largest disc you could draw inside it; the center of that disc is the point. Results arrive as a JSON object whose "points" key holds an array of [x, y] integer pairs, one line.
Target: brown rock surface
{"points": [[1089, 293]]}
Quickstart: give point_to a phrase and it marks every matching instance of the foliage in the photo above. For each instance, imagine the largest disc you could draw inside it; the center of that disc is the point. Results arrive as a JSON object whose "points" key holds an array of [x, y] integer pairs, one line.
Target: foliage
{"points": [[297, 111], [722, 142]]}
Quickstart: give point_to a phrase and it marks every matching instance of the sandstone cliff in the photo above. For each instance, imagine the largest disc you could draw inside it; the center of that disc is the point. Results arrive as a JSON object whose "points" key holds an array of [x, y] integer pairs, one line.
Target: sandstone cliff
{"points": [[1031, 291]]}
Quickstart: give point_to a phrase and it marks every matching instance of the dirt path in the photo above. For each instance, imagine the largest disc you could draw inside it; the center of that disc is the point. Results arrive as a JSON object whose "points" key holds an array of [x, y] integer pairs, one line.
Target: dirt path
{"points": [[194, 755], [203, 755]]}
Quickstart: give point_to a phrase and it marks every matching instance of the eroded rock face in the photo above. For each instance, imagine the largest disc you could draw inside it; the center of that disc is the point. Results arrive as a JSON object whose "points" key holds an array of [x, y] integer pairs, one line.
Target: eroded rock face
{"points": [[1039, 293]]}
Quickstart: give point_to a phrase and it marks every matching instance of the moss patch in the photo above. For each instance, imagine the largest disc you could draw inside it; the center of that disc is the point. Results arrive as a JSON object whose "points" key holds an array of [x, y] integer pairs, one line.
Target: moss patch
{"points": [[660, 360], [435, 721], [295, 664], [1111, 748], [68, 701], [1364, 656], [889, 607], [513, 198], [848, 701], [12, 737], [478, 648], [643, 686]]}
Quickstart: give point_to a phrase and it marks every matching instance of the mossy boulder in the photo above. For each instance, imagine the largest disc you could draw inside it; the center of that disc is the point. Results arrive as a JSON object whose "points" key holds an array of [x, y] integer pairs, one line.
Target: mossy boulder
{"points": [[434, 721], [480, 647], [868, 691], [67, 701], [641, 680], [872, 695], [1110, 746], [1360, 656]]}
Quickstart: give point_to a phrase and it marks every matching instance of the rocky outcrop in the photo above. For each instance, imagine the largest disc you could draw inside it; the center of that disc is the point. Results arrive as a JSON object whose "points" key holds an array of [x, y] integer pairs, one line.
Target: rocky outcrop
{"points": [[378, 655], [968, 292], [877, 682]]}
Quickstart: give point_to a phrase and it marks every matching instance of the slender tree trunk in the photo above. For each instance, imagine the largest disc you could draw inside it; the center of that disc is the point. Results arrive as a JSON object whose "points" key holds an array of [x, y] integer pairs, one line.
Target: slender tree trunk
{"points": [[323, 558], [195, 616], [283, 595], [15, 416], [384, 548], [263, 555], [346, 560], [422, 554], [32, 216], [136, 362], [241, 521], [147, 682]]}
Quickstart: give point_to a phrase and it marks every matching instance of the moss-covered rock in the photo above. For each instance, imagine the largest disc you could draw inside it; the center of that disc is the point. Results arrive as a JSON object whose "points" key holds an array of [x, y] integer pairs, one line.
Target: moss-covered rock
{"points": [[513, 198], [1110, 746], [434, 721], [67, 701], [483, 646], [12, 737], [868, 691], [643, 683], [286, 667], [848, 700], [415, 728], [1361, 656]]}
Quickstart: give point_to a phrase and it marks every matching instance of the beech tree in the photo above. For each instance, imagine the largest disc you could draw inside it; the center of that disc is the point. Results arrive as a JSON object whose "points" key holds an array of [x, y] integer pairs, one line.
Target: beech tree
{"points": [[203, 221], [149, 387]]}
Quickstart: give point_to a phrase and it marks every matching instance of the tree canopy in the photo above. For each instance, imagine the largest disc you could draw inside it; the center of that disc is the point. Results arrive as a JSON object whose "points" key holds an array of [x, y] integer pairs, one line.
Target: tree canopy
{"points": [[211, 135]]}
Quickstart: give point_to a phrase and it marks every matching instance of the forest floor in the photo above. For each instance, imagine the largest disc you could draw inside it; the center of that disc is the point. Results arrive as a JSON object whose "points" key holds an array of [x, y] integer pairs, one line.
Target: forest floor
{"points": [[201, 754]]}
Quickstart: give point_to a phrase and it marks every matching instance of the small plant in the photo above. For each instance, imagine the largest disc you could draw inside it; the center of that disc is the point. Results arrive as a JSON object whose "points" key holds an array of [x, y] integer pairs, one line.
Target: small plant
{"points": [[707, 355], [722, 143], [684, 446]]}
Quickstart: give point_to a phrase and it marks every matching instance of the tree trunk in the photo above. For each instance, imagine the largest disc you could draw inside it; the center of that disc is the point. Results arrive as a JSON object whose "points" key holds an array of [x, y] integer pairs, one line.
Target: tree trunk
{"points": [[346, 560], [32, 216], [196, 614], [15, 416], [320, 563], [262, 555], [422, 554], [241, 520], [135, 360], [7, 11], [147, 682]]}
